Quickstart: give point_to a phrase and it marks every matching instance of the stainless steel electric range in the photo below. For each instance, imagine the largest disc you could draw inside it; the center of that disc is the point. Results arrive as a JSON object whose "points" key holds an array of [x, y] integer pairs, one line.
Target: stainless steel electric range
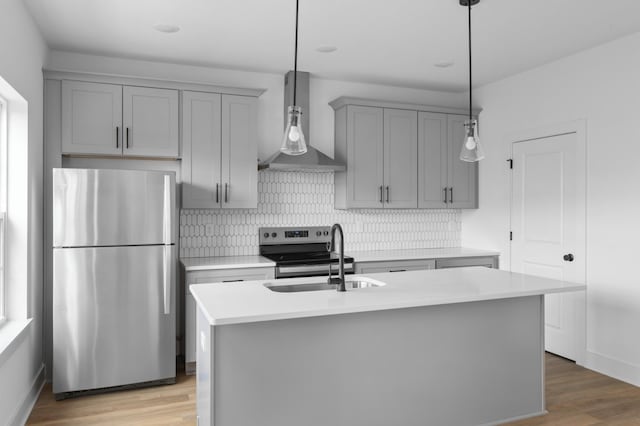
{"points": [[301, 251]]}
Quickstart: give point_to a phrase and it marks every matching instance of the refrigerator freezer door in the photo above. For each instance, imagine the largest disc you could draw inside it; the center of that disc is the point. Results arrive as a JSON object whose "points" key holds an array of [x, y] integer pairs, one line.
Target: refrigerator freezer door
{"points": [[113, 316], [113, 207]]}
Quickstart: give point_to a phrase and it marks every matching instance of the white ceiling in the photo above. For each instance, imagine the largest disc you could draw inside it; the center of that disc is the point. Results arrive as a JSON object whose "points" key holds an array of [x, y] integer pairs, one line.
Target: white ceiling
{"points": [[379, 41]]}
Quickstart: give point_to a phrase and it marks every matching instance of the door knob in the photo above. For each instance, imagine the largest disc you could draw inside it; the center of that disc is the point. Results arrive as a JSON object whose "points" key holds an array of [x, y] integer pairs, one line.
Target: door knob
{"points": [[568, 257]]}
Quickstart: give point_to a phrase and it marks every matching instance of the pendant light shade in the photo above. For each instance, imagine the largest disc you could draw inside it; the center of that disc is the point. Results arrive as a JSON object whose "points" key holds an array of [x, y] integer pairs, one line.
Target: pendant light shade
{"points": [[471, 149], [294, 142]]}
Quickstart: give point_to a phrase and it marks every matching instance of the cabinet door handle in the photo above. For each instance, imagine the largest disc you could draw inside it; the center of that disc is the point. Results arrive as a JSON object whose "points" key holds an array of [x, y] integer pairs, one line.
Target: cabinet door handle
{"points": [[232, 281], [451, 194], [381, 199], [568, 257], [398, 270], [388, 194], [117, 137], [226, 192], [445, 194], [217, 193], [127, 138]]}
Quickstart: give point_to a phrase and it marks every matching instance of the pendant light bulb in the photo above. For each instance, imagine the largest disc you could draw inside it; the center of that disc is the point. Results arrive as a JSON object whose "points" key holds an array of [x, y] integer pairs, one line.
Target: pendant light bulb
{"points": [[294, 142], [471, 149]]}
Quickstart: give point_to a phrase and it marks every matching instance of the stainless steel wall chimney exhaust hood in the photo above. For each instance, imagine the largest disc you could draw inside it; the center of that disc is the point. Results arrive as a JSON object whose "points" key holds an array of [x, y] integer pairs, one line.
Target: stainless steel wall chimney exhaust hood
{"points": [[312, 160]]}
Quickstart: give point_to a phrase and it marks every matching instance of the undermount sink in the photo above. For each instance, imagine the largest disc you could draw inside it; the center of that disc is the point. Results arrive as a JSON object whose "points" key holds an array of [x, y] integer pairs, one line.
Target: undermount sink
{"points": [[351, 284]]}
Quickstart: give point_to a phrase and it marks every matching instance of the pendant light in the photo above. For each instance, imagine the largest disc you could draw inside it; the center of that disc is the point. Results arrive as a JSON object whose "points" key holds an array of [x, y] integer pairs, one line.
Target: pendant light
{"points": [[471, 149], [293, 142]]}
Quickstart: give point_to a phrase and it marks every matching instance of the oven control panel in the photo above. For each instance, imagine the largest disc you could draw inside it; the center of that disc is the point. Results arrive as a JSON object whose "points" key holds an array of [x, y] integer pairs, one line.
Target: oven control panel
{"points": [[294, 235]]}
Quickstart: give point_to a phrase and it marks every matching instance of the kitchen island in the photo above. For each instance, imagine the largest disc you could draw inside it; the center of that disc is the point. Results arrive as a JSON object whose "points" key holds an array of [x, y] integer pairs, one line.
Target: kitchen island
{"points": [[445, 347]]}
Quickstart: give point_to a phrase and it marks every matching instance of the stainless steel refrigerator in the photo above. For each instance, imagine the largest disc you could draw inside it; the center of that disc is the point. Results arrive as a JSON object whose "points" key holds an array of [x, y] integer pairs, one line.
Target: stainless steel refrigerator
{"points": [[114, 278]]}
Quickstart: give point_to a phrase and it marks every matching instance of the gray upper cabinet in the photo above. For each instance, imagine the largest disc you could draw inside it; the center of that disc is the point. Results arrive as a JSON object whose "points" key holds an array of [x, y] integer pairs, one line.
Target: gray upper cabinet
{"points": [[219, 162], [401, 156], [432, 159], [91, 118], [111, 119], [462, 175], [379, 147], [445, 181], [150, 119]]}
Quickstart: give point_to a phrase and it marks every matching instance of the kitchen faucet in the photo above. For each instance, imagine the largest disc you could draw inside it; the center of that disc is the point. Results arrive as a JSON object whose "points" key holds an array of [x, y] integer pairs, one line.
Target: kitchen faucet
{"points": [[332, 247]]}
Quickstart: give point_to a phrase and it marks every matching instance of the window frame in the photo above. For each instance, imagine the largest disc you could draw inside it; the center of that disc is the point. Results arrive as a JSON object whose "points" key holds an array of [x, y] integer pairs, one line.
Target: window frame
{"points": [[3, 206]]}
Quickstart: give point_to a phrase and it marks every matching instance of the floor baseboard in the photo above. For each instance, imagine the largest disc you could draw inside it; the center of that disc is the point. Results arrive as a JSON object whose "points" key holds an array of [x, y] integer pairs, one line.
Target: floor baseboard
{"points": [[21, 415]]}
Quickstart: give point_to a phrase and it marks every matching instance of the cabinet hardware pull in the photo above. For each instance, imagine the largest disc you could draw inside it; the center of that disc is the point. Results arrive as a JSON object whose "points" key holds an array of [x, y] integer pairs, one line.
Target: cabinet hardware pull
{"points": [[451, 194], [568, 257], [117, 137], [217, 193], [388, 194], [398, 270], [445, 194], [127, 138], [232, 281], [381, 199], [226, 192]]}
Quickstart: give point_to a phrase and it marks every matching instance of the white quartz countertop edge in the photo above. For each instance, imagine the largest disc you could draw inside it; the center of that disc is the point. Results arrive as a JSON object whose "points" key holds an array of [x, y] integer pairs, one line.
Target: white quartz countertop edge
{"points": [[251, 301], [225, 262]]}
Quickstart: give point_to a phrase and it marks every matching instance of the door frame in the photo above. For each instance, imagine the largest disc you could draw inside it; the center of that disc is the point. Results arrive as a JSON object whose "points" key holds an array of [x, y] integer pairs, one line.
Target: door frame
{"points": [[579, 127]]}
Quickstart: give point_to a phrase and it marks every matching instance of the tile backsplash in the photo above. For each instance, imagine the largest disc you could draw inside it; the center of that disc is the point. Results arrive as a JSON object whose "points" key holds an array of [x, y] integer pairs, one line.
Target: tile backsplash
{"points": [[306, 199]]}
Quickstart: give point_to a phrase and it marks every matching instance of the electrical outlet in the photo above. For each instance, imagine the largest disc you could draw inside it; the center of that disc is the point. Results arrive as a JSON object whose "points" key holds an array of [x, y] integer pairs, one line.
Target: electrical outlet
{"points": [[209, 229]]}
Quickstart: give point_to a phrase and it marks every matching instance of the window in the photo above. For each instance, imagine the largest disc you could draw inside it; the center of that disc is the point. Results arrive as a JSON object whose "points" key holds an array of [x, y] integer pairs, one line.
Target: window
{"points": [[3, 192]]}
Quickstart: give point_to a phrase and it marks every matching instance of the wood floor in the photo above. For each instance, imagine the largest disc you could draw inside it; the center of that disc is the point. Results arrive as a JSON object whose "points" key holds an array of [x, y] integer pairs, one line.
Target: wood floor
{"points": [[575, 397]]}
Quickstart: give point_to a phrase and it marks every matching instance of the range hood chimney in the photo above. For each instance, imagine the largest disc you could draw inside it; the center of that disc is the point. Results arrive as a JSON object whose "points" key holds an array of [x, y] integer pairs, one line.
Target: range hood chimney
{"points": [[312, 160]]}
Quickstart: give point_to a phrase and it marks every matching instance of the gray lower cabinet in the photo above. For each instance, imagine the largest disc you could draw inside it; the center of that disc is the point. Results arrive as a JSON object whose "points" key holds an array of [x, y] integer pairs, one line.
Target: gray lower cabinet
{"points": [[394, 266], [212, 276], [220, 151], [461, 262], [422, 264]]}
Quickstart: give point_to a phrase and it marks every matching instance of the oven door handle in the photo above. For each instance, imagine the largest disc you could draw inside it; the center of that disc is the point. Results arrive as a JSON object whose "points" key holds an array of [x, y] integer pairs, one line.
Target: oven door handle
{"points": [[307, 269]]}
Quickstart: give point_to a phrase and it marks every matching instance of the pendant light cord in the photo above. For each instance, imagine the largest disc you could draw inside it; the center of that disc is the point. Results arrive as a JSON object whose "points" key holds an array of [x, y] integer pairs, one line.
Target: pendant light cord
{"points": [[295, 61], [470, 98]]}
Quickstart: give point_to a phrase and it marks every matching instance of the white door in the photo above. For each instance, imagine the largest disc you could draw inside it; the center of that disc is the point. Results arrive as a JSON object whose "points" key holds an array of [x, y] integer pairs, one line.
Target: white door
{"points": [[548, 225]]}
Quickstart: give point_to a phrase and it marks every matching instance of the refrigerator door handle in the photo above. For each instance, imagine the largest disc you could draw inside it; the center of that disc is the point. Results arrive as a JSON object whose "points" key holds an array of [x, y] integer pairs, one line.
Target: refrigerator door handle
{"points": [[166, 279], [166, 211]]}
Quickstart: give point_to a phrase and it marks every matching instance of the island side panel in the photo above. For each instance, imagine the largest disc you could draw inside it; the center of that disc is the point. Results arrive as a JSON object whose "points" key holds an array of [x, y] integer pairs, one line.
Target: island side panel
{"points": [[205, 369], [459, 364]]}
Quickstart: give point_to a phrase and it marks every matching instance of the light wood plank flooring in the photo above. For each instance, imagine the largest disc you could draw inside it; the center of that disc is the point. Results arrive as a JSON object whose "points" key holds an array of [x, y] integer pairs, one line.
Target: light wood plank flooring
{"points": [[575, 397]]}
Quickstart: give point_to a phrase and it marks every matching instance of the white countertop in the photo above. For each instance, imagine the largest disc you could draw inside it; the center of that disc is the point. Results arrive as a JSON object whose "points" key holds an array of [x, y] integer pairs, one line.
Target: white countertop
{"points": [[225, 262], [251, 301], [416, 254]]}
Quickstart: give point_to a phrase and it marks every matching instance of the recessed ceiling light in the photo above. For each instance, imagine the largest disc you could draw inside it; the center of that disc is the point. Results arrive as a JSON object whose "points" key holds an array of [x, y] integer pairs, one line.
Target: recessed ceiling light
{"points": [[326, 49], [444, 64], [166, 28]]}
